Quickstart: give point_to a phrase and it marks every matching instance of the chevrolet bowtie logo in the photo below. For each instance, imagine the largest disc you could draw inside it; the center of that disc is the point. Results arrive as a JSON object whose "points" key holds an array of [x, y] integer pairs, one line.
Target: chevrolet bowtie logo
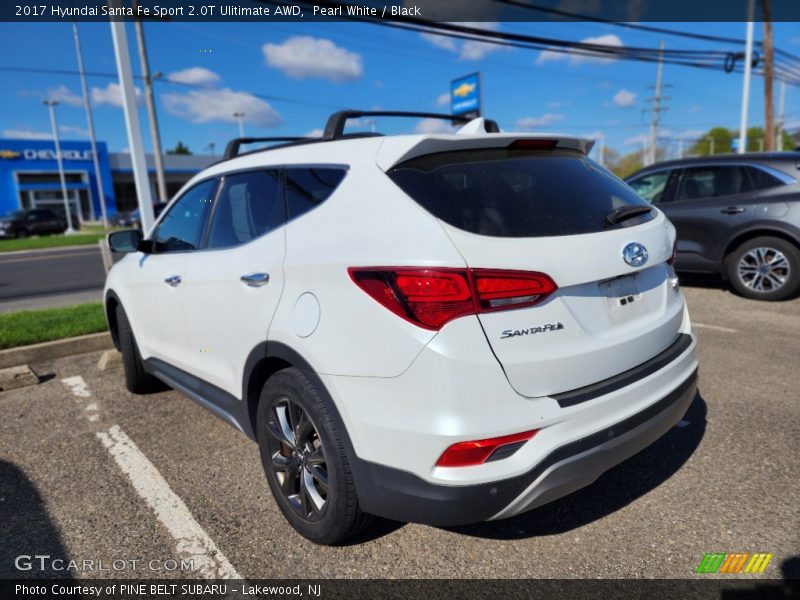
{"points": [[9, 154], [463, 90]]}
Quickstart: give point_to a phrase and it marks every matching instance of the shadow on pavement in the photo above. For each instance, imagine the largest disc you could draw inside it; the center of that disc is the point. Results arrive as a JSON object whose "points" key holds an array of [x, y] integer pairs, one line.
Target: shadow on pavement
{"points": [[27, 528], [615, 489], [786, 588], [704, 280]]}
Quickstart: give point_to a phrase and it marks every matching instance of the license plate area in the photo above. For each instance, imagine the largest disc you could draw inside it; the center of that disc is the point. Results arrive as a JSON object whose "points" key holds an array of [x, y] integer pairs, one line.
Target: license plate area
{"points": [[623, 296]]}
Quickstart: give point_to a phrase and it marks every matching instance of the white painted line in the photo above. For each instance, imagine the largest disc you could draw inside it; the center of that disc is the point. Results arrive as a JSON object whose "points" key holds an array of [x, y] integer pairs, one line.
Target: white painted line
{"points": [[192, 542], [77, 386], [714, 327]]}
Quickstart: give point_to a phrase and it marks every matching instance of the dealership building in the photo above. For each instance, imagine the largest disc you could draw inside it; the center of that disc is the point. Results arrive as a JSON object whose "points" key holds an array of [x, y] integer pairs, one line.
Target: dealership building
{"points": [[29, 176]]}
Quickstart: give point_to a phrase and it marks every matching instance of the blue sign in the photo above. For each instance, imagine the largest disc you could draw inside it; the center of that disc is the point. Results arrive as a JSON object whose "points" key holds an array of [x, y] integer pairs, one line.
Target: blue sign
{"points": [[735, 144], [465, 95]]}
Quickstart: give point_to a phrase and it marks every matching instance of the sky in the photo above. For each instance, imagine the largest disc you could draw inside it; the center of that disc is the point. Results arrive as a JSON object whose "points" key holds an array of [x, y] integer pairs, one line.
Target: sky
{"points": [[288, 77]]}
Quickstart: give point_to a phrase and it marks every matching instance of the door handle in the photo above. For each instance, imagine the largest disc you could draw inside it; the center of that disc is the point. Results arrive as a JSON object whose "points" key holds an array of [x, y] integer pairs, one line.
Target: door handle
{"points": [[173, 281], [732, 210], [255, 279]]}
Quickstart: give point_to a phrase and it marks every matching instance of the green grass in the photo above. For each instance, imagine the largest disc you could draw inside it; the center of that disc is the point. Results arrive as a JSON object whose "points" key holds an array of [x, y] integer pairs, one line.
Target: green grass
{"points": [[34, 326], [51, 241]]}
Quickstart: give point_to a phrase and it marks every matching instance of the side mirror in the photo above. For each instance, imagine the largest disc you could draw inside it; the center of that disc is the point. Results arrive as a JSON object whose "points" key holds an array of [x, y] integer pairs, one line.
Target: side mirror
{"points": [[126, 241]]}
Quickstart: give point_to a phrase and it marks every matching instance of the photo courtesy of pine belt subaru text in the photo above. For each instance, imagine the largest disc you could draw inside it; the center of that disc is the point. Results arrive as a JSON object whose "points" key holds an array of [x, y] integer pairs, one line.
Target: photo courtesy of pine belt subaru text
{"points": [[441, 328]]}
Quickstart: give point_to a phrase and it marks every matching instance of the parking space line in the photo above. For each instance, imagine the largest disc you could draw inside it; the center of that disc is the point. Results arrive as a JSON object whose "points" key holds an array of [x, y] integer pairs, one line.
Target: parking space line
{"points": [[714, 327], [192, 543]]}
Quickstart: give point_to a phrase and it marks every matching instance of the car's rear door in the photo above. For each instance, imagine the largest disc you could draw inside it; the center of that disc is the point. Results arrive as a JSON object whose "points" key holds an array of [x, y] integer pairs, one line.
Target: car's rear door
{"points": [[709, 203], [232, 287], [547, 211]]}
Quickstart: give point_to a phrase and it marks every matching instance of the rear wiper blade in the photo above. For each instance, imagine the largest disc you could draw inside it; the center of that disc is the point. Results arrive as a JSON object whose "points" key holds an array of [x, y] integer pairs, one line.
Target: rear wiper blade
{"points": [[625, 212]]}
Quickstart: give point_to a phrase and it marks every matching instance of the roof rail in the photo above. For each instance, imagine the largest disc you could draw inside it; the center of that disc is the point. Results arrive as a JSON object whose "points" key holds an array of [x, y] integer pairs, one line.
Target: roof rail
{"points": [[232, 149], [334, 128]]}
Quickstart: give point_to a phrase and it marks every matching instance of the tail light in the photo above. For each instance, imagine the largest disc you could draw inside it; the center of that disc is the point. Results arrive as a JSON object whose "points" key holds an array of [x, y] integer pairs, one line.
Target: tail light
{"points": [[671, 259], [431, 297], [467, 454]]}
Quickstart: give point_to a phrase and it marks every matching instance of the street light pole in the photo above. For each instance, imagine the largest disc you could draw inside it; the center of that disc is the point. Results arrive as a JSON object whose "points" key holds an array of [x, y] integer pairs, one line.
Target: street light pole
{"points": [[90, 124], [140, 177], [51, 105], [155, 135], [748, 58], [239, 116]]}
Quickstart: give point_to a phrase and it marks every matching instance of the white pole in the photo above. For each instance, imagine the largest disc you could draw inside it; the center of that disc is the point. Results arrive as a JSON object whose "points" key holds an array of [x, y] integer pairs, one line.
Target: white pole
{"points": [[748, 57], [680, 148], [656, 106], [780, 115], [140, 176], [90, 124], [51, 105], [239, 116]]}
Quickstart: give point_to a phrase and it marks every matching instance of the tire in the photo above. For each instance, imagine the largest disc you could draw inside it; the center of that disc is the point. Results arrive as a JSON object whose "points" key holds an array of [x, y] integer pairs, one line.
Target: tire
{"points": [[305, 461], [137, 380], [22, 233], [765, 268]]}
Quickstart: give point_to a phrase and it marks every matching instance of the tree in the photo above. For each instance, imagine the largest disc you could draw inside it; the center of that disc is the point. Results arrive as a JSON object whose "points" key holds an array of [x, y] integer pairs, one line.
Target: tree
{"points": [[180, 148], [716, 141], [627, 164]]}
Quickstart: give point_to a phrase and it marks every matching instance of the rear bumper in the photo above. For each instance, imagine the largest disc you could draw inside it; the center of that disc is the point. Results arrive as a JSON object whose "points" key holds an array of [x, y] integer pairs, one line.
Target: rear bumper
{"points": [[402, 496]]}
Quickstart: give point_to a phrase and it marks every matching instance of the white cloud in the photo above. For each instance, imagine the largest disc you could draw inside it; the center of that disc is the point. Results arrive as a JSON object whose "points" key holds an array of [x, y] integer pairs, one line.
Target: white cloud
{"points": [[555, 105], [314, 133], [542, 121], [690, 134], [608, 39], [112, 95], [74, 130], [27, 134], [695, 108], [306, 57], [433, 126], [624, 99], [443, 99], [473, 49], [205, 106], [194, 75], [64, 95], [637, 140]]}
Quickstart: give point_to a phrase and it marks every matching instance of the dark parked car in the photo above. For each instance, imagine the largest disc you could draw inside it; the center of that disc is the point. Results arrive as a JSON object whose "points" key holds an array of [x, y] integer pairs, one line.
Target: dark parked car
{"points": [[737, 215], [36, 221], [131, 218]]}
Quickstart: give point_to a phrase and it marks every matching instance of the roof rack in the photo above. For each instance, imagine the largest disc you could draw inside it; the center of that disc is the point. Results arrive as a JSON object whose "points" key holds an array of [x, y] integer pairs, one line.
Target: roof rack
{"points": [[334, 128], [232, 149]]}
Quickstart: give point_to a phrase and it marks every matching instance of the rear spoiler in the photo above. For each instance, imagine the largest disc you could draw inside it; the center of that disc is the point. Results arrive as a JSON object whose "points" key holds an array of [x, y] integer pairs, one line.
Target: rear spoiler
{"points": [[397, 149]]}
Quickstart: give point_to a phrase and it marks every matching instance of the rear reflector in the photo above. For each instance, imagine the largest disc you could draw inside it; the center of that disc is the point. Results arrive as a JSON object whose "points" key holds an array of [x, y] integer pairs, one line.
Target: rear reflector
{"points": [[467, 454], [432, 297]]}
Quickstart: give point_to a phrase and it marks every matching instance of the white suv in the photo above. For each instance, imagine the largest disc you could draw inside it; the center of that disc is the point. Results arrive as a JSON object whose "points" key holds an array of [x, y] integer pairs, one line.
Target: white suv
{"points": [[442, 328]]}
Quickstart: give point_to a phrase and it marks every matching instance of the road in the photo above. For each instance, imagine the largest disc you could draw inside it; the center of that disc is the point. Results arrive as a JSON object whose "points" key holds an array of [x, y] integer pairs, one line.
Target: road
{"points": [[44, 278], [91, 472]]}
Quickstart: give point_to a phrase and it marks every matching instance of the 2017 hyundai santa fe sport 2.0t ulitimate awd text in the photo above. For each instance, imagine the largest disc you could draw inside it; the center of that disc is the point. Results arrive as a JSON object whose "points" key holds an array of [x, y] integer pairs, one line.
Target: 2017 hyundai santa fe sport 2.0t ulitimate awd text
{"points": [[439, 328]]}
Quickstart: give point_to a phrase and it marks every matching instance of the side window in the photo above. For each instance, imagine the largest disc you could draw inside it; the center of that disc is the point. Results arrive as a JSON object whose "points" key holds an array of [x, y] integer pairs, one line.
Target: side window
{"points": [[763, 180], [182, 227], [651, 186], [249, 205], [308, 187], [710, 182]]}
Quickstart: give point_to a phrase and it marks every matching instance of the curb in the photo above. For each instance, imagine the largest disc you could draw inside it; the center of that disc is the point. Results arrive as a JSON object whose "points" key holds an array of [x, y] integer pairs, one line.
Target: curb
{"points": [[13, 357]]}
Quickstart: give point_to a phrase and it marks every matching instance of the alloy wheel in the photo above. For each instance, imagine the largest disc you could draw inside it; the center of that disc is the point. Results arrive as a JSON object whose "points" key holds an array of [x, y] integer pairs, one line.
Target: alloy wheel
{"points": [[764, 269], [298, 458]]}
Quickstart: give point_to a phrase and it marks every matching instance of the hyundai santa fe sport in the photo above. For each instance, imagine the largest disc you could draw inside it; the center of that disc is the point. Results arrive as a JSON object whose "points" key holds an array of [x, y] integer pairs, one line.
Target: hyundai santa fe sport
{"points": [[439, 328]]}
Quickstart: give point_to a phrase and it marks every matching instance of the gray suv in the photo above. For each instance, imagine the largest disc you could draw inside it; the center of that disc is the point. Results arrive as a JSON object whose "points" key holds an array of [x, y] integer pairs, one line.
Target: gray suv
{"points": [[737, 215]]}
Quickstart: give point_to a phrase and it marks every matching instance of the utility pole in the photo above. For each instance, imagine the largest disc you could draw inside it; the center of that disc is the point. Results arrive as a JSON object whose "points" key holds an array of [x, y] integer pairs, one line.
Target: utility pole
{"points": [[657, 107], [748, 59], [90, 124], [51, 105], [769, 117], [780, 115], [155, 135], [140, 177], [239, 116]]}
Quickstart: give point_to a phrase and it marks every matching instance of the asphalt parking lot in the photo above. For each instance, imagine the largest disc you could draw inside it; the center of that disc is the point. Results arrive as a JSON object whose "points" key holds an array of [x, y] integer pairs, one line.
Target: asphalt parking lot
{"points": [[90, 472]]}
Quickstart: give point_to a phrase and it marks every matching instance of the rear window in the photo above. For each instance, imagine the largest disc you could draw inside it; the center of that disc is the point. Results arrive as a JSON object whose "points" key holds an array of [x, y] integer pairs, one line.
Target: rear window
{"points": [[516, 193]]}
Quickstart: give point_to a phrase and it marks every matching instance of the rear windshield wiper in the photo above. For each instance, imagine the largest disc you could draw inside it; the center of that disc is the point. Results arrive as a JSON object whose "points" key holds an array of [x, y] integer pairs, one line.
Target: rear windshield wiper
{"points": [[625, 212]]}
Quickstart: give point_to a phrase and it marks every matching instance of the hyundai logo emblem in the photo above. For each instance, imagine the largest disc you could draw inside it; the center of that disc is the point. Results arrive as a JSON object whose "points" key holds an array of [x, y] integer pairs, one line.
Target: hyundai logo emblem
{"points": [[635, 254]]}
